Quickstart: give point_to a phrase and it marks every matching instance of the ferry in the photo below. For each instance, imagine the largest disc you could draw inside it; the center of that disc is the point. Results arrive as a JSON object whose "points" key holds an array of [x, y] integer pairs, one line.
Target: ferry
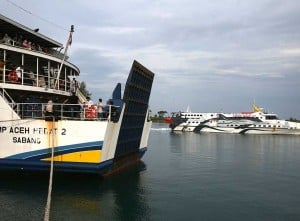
{"points": [[45, 118], [254, 122]]}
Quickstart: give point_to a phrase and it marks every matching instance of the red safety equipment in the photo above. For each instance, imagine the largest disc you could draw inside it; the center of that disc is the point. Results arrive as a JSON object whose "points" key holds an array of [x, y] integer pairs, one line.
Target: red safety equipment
{"points": [[91, 112]]}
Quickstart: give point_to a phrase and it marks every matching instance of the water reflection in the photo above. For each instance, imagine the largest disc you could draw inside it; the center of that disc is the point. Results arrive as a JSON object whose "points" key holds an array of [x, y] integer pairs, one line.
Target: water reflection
{"points": [[75, 197]]}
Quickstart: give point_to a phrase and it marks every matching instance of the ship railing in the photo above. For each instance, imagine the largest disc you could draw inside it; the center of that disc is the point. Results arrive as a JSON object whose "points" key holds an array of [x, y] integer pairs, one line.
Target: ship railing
{"points": [[30, 78], [8, 98], [67, 111], [55, 52]]}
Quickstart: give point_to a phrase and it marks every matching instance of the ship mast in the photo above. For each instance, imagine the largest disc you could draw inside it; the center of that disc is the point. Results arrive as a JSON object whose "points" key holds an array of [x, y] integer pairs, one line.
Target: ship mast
{"points": [[69, 42]]}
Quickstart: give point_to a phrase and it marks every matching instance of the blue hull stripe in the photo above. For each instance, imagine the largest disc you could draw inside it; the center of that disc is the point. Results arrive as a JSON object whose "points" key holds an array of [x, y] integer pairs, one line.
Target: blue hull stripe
{"points": [[98, 168], [45, 153], [92, 168]]}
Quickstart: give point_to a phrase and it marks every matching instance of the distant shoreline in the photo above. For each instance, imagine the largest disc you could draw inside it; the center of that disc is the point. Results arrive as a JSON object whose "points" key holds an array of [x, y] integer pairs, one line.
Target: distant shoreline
{"points": [[157, 119]]}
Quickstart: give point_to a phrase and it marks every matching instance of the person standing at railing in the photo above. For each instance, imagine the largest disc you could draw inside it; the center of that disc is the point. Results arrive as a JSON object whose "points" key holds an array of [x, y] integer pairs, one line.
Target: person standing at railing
{"points": [[25, 43], [100, 106], [74, 85], [89, 102], [49, 108], [6, 39], [19, 71]]}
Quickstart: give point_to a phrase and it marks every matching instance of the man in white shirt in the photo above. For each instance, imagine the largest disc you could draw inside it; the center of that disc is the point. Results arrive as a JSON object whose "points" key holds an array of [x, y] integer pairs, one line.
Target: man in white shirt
{"points": [[19, 71]]}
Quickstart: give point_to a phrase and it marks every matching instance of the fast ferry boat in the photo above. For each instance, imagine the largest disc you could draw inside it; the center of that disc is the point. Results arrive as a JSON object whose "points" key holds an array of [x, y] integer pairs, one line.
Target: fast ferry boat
{"points": [[41, 123], [256, 122]]}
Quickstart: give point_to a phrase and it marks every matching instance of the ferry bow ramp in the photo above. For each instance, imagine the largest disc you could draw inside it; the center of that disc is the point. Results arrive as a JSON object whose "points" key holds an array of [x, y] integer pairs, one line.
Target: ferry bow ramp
{"points": [[135, 126]]}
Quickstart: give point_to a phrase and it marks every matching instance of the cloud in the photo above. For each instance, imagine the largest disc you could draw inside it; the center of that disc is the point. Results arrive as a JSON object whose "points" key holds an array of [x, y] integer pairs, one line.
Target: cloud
{"points": [[210, 55]]}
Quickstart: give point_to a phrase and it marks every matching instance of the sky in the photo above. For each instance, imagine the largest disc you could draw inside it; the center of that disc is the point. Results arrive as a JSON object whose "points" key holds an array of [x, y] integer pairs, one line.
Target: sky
{"points": [[208, 55]]}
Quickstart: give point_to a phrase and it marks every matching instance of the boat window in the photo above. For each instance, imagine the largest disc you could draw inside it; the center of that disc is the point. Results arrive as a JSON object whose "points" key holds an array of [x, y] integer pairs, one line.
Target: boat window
{"points": [[271, 117]]}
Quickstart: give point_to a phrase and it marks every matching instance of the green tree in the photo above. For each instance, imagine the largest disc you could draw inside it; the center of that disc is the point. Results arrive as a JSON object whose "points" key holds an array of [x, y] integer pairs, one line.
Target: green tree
{"points": [[161, 113], [84, 90]]}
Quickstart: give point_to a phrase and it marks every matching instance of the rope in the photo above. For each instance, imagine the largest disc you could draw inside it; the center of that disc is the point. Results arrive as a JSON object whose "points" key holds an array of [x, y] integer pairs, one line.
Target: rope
{"points": [[48, 205], [37, 16]]}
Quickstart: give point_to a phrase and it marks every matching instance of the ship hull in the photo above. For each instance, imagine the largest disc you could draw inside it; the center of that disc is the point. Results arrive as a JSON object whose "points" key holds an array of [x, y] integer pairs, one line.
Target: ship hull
{"points": [[249, 130], [79, 146]]}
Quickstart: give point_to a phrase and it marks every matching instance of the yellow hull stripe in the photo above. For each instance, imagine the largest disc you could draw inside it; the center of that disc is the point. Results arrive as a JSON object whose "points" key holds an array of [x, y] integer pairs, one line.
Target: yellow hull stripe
{"points": [[90, 156]]}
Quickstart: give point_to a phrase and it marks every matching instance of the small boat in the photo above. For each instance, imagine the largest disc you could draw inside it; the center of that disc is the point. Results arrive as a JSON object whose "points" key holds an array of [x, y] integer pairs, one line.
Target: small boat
{"points": [[255, 122], [46, 118]]}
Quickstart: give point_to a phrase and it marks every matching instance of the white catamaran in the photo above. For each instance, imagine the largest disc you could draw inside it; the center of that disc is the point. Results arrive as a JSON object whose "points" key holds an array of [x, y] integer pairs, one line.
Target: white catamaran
{"points": [[42, 110], [256, 122]]}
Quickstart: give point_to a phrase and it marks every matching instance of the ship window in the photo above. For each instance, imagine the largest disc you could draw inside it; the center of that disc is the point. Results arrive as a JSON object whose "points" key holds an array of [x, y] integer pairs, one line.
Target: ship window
{"points": [[200, 115], [271, 117], [211, 115]]}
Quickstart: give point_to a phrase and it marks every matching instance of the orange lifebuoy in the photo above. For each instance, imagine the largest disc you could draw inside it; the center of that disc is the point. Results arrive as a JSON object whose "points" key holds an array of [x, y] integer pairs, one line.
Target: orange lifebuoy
{"points": [[91, 112], [12, 76]]}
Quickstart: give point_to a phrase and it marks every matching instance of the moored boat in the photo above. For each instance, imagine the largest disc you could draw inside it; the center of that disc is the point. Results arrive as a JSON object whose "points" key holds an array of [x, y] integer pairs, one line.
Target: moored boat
{"points": [[255, 122], [43, 110]]}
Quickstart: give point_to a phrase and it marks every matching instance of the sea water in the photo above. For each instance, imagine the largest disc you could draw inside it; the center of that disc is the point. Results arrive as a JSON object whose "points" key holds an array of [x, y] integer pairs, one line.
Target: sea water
{"points": [[183, 176]]}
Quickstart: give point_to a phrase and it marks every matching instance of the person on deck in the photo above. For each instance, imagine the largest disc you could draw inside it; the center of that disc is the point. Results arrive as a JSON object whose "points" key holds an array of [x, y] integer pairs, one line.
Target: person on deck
{"points": [[19, 71], [74, 85], [49, 108], [6, 39], [100, 108], [89, 102]]}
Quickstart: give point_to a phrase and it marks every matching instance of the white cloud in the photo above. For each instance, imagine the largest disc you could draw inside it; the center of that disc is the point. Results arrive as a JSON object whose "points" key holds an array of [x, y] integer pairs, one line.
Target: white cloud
{"points": [[204, 53]]}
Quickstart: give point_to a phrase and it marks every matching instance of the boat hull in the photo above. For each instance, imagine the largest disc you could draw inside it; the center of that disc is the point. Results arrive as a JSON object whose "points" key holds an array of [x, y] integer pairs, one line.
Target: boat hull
{"points": [[77, 147], [269, 131]]}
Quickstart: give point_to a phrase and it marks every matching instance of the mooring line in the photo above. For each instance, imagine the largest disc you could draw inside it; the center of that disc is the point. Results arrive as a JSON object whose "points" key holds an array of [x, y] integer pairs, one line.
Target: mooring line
{"points": [[48, 205]]}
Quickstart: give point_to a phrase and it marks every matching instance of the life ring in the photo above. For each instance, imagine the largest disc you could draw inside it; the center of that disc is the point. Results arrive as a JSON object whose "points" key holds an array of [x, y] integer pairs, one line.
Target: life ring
{"points": [[12, 76], [91, 112]]}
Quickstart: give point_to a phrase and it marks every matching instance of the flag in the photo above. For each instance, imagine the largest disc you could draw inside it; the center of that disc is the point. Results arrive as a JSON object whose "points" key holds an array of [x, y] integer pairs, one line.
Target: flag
{"points": [[70, 39]]}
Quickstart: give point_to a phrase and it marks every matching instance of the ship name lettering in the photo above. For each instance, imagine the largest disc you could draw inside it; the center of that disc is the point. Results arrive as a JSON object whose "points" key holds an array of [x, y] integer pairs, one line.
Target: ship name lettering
{"points": [[19, 130], [40, 130], [26, 140], [3, 129]]}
